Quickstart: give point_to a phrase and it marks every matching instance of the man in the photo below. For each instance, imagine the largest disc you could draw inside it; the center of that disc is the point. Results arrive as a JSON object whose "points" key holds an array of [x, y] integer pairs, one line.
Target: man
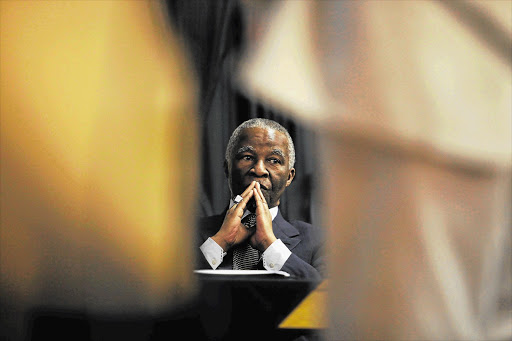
{"points": [[259, 164]]}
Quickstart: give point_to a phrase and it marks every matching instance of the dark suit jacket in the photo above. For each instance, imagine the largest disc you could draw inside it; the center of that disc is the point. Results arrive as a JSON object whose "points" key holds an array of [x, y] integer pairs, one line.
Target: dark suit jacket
{"points": [[304, 241]]}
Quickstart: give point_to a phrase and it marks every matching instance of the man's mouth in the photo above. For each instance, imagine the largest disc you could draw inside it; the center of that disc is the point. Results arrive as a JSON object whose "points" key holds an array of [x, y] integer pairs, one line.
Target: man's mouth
{"points": [[262, 186]]}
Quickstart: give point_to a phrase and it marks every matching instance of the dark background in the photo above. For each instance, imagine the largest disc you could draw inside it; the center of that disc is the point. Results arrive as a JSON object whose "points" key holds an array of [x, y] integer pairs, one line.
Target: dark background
{"points": [[214, 34]]}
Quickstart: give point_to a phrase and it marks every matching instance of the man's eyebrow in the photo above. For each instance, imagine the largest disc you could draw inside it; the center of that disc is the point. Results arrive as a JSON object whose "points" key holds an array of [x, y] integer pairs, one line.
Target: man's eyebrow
{"points": [[245, 149], [277, 152]]}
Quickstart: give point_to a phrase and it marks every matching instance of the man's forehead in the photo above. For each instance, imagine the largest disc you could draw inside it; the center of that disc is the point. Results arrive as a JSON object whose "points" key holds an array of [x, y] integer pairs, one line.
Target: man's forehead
{"points": [[266, 135], [272, 140]]}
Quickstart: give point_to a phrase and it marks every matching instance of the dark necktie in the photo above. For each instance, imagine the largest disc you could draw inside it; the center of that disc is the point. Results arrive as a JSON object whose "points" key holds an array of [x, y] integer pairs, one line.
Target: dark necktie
{"points": [[245, 257]]}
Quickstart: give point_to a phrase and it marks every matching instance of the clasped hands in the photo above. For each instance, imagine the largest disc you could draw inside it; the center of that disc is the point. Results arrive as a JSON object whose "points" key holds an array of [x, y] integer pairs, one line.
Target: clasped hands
{"points": [[233, 232]]}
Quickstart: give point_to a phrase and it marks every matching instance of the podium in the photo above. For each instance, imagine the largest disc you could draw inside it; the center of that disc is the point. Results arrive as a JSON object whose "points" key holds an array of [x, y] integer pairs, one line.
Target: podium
{"points": [[241, 308]]}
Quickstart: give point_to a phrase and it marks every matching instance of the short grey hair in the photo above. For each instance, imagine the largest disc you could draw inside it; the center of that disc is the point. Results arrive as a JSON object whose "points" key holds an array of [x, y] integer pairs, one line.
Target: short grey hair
{"points": [[259, 123]]}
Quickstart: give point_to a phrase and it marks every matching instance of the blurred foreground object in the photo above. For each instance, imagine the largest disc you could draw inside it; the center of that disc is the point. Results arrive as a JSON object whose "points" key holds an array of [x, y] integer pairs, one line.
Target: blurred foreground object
{"points": [[414, 102], [311, 312], [98, 160]]}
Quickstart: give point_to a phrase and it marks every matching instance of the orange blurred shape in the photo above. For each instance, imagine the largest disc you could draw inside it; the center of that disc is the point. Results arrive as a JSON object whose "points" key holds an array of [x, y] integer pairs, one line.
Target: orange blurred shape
{"points": [[99, 166]]}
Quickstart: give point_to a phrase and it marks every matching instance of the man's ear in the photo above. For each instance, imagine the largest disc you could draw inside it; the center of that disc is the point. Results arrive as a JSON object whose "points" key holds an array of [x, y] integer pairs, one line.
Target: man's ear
{"points": [[291, 175], [226, 170]]}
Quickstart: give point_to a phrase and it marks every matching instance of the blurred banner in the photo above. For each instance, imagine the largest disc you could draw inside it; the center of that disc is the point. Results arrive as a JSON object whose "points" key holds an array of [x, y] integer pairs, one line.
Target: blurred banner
{"points": [[98, 160], [413, 100]]}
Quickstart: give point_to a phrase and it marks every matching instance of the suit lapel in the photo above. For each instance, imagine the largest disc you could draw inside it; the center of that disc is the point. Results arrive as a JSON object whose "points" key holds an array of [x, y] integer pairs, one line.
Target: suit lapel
{"points": [[285, 231]]}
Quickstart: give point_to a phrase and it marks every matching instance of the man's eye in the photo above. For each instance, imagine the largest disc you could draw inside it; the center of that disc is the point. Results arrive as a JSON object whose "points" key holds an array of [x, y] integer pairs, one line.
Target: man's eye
{"points": [[275, 161], [246, 158]]}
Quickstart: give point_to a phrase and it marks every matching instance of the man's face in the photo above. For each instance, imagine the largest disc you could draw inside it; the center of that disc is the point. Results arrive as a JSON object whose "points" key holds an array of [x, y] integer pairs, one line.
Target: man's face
{"points": [[261, 155]]}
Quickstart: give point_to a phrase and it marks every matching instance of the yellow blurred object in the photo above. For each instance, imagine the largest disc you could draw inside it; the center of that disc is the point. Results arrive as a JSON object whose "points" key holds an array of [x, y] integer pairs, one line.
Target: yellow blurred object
{"points": [[99, 157], [311, 313]]}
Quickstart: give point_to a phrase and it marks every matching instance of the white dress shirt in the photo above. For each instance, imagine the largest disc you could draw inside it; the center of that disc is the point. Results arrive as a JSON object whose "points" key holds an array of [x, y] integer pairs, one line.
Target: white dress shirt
{"points": [[274, 256]]}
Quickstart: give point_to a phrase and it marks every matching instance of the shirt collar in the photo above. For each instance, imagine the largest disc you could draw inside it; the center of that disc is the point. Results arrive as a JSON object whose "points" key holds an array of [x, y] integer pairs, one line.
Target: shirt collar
{"points": [[273, 210]]}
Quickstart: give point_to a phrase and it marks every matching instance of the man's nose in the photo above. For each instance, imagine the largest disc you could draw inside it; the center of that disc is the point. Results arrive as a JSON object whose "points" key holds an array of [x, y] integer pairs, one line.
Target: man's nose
{"points": [[259, 168]]}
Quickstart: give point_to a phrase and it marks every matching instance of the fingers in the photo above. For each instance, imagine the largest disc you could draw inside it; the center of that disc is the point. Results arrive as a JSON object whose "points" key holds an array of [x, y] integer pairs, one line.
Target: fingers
{"points": [[249, 189], [242, 204], [264, 235], [246, 196], [258, 196], [232, 231]]}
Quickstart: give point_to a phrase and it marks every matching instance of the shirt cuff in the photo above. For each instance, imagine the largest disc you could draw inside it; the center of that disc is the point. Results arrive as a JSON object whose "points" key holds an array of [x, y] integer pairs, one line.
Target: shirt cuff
{"points": [[213, 253], [275, 256]]}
